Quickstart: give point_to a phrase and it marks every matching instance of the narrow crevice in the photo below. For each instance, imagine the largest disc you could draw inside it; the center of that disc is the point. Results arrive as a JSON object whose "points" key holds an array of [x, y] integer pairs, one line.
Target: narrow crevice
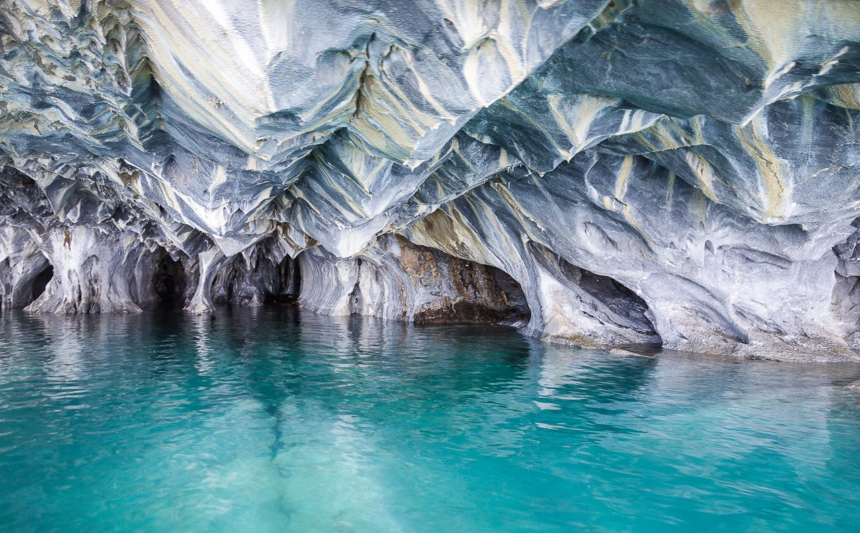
{"points": [[355, 299], [364, 80]]}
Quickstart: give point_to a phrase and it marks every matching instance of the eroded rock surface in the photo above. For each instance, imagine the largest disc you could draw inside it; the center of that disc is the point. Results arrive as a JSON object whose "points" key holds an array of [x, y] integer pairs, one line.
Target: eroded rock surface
{"points": [[681, 173], [398, 280]]}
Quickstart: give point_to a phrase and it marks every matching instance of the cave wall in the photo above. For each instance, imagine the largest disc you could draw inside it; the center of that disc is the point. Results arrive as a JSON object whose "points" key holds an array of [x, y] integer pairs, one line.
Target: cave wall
{"points": [[398, 280], [672, 172], [714, 281]]}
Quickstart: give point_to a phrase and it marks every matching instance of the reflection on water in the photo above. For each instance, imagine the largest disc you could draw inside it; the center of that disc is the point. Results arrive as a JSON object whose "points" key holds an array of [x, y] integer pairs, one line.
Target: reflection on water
{"points": [[278, 420]]}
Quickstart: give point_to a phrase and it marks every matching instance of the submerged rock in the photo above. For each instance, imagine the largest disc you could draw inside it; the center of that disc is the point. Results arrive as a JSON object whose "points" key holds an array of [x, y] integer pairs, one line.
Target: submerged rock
{"points": [[658, 172]]}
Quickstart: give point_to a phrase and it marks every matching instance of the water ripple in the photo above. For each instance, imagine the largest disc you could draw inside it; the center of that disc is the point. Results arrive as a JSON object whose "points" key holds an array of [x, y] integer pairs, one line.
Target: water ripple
{"points": [[279, 420]]}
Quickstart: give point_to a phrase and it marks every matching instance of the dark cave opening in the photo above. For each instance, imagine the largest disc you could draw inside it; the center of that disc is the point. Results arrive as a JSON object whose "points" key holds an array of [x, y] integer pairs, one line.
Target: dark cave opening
{"points": [[259, 281], [288, 284], [29, 287], [170, 281], [512, 292], [40, 282], [616, 296]]}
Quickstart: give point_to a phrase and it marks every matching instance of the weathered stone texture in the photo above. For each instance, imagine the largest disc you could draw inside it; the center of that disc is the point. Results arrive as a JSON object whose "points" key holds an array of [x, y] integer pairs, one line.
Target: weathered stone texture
{"points": [[681, 173]]}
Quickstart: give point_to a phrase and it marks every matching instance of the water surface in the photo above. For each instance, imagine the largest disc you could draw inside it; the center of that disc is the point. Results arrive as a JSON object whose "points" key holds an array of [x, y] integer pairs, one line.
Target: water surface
{"points": [[279, 420]]}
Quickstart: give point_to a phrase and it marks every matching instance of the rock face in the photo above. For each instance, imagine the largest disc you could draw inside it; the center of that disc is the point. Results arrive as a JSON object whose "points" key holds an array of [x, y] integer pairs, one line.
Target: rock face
{"points": [[675, 172], [398, 280]]}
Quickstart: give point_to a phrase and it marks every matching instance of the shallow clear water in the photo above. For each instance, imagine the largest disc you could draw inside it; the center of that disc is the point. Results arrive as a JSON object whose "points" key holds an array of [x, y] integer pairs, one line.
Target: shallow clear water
{"points": [[276, 420]]}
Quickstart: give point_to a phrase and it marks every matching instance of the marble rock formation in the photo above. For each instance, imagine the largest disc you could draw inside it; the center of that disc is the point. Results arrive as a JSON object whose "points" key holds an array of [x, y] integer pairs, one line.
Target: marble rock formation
{"points": [[681, 173]]}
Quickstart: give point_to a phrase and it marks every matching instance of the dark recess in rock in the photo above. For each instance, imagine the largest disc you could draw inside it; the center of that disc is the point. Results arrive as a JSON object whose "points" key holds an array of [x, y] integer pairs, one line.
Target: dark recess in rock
{"points": [[170, 282], [40, 282]]}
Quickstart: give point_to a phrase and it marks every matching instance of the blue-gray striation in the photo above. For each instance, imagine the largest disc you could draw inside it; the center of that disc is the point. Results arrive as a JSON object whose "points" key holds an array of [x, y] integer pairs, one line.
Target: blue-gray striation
{"points": [[681, 173]]}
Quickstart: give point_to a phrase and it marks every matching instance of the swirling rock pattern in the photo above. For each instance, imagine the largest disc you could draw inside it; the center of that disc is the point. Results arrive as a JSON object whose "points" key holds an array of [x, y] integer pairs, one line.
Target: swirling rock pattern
{"points": [[604, 173]]}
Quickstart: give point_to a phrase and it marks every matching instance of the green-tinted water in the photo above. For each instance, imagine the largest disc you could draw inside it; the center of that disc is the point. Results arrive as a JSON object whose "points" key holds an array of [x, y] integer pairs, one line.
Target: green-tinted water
{"points": [[283, 421]]}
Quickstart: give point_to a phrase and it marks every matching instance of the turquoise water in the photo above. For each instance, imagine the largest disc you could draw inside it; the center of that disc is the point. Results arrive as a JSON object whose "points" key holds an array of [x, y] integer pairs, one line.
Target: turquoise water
{"points": [[276, 420]]}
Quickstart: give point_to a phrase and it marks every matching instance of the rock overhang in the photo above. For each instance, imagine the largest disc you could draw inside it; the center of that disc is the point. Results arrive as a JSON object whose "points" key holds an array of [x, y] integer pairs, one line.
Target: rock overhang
{"points": [[700, 155]]}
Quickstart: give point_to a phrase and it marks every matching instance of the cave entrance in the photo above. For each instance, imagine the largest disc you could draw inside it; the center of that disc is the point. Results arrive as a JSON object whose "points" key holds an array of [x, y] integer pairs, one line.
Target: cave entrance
{"points": [[33, 284], [170, 281], [617, 297], [40, 282], [482, 294], [259, 281], [288, 284]]}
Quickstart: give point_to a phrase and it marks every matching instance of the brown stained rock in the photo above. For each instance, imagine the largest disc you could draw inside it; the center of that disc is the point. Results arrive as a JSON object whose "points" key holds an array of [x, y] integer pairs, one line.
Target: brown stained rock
{"points": [[469, 312], [478, 296]]}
